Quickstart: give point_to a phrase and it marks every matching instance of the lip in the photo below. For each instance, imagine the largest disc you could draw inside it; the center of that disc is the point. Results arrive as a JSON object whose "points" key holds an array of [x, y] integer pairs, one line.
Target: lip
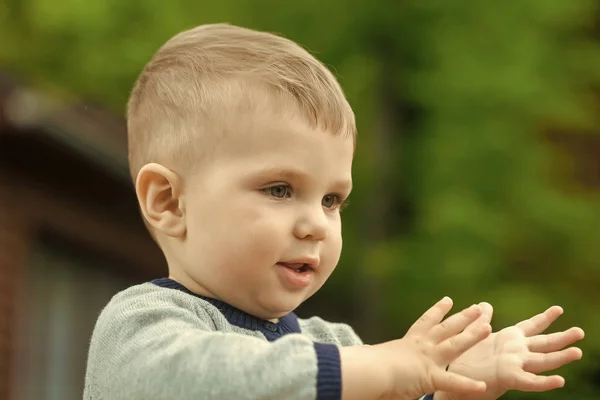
{"points": [[294, 279], [311, 262]]}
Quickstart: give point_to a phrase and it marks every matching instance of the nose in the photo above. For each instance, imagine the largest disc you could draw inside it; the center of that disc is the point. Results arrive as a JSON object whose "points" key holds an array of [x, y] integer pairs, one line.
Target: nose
{"points": [[312, 224]]}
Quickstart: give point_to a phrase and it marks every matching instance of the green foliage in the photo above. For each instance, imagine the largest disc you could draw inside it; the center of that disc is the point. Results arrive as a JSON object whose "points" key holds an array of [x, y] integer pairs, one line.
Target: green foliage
{"points": [[456, 186]]}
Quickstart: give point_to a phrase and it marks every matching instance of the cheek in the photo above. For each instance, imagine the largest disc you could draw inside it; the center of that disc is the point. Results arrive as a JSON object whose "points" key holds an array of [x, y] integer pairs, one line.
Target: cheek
{"points": [[333, 250], [265, 236], [253, 234]]}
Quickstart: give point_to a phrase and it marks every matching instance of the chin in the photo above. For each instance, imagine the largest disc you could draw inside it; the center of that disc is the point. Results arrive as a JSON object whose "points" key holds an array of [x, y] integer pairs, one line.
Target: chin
{"points": [[281, 308]]}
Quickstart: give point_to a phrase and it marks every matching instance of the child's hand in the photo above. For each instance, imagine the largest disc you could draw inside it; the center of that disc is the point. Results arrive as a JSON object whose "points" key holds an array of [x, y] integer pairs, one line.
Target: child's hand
{"points": [[511, 358], [416, 364]]}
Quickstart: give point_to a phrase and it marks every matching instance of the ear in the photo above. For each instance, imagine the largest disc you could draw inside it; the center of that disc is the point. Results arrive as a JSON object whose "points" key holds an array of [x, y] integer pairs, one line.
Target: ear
{"points": [[159, 193]]}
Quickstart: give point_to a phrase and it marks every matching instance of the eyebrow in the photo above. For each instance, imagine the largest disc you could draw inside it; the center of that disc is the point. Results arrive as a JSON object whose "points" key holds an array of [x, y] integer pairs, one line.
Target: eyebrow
{"points": [[294, 174]]}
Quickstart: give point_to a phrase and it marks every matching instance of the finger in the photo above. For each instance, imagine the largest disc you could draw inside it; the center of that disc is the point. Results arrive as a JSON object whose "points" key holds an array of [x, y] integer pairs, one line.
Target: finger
{"points": [[432, 317], [453, 347], [486, 315], [486, 311], [528, 382], [484, 318], [554, 341], [537, 362], [539, 323], [454, 324], [454, 383]]}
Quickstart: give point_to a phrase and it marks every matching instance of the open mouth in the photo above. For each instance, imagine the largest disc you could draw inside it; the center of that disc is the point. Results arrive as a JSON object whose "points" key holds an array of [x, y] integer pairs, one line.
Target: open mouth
{"points": [[296, 275], [300, 268]]}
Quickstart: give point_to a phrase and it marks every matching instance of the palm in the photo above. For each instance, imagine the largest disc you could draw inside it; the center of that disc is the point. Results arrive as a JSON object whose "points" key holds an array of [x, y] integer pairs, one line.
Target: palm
{"points": [[509, 359], [485, 360]]}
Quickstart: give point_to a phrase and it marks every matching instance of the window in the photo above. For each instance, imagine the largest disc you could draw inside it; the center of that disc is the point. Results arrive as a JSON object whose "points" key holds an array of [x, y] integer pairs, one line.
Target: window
{"points": [[66, 290]]}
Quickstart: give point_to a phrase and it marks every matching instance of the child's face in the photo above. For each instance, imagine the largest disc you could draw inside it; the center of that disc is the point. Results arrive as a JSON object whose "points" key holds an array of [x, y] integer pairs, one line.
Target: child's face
{"points": [[267, 204]]}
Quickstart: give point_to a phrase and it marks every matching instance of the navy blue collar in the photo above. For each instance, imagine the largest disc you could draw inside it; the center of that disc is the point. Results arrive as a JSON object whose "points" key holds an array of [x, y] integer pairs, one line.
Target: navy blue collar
{"points": [[272, 331]]}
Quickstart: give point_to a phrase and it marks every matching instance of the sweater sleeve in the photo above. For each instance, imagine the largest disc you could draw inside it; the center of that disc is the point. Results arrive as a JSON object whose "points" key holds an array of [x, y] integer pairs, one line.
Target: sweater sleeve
{"points": [[144, 349], [330, 332]]}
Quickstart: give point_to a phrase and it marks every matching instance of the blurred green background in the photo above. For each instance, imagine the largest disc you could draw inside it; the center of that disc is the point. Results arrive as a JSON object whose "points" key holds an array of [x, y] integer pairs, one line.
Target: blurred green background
{"points": [[477, 173]]}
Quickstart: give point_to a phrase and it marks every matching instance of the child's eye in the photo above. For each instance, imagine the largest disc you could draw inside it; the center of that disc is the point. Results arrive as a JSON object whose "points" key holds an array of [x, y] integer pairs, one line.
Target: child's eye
{"points": [[332, 201], [279, 191]]}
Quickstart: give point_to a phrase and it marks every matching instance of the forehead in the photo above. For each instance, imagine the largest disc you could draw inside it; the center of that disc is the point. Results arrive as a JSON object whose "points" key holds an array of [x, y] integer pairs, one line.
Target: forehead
{"points": [[285, 140], [269, 132]]}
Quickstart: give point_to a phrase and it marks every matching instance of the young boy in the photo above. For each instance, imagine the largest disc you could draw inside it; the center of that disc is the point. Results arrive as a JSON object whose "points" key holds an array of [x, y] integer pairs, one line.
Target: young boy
{"points": [[241, 146]]}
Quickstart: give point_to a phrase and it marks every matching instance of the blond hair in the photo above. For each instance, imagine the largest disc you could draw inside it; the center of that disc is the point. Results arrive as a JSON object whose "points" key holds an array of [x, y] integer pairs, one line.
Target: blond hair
{"points": [[197, 79]]}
